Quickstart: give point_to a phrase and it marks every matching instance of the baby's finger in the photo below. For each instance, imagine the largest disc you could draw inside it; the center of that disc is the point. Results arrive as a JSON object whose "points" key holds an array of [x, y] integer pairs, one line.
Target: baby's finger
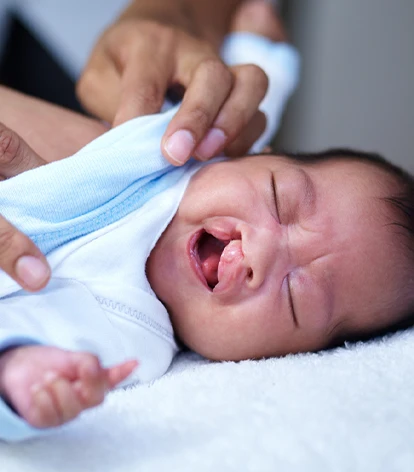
{"points": [[91, 384], [249, 89], [209, 85], [65, 398], [15, 155], [120, 372], [43, 412], [54, 402]]}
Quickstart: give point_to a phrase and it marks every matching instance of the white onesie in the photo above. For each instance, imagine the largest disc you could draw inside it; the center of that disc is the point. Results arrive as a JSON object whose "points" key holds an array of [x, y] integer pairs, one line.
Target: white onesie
{"points": [[98, 215]]}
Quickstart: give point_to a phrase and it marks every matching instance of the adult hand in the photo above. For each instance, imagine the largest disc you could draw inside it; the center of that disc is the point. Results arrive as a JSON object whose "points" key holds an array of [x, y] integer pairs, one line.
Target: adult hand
{"points": [[155, 47], [19, 257], [53, 133]]}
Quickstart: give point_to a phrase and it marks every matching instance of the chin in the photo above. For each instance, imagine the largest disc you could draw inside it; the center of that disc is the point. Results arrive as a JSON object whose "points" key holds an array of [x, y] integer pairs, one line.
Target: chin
{"points": [[222, 352]]}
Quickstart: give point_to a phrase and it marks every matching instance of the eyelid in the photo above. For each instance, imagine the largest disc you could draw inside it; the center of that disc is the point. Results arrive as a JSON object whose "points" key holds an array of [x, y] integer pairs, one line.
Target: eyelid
{"points": [[292, 305], [274, 187]]}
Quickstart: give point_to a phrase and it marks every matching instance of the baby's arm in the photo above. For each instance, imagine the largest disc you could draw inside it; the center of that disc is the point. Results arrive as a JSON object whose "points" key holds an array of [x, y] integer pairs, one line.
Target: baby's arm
{"points": [[40, 338], [49, 386]]}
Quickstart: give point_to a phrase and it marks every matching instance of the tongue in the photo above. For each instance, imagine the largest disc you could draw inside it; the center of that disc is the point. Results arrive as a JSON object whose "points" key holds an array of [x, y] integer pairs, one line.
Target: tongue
{"points": [[209, 251]]}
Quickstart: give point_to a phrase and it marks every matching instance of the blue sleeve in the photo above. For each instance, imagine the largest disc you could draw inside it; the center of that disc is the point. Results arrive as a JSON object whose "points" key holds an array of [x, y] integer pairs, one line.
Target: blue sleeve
{"points": [[12, 426], [66, 315], [110, 177], [119, 171]]}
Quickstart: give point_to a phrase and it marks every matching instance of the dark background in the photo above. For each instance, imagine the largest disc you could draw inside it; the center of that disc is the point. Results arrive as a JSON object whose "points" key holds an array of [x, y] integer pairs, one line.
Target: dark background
{"points": [[28, 67]]}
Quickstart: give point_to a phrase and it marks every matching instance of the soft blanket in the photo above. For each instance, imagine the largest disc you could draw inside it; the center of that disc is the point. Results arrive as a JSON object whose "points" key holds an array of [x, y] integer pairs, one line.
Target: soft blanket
{"points": [[348, 409]]}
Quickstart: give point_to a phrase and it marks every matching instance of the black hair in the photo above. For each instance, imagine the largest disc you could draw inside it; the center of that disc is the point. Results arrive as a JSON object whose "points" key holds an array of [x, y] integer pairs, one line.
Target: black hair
{"points": [[402, 206]]}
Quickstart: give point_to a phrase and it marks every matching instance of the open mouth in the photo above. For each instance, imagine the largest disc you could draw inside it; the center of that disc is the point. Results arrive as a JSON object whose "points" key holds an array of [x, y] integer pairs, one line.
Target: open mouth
{"points": [[207, 251]]}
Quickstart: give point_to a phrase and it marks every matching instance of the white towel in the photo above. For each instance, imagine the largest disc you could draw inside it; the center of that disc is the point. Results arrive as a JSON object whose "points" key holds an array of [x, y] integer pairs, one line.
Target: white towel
{"points": [[349, 409]]}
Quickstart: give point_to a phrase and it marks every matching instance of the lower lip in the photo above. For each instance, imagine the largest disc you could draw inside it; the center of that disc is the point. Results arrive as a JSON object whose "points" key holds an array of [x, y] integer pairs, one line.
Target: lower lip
{"points": [[194, 261]]}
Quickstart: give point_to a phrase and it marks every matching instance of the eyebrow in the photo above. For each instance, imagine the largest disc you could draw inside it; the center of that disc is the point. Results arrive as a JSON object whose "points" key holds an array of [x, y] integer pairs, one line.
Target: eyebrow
{"points": [[310, 191]]}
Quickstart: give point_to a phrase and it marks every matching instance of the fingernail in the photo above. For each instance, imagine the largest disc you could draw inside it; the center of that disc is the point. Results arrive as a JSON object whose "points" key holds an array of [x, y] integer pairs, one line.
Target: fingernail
{"points": [[213, 141], [32, 271], [180, 145]]}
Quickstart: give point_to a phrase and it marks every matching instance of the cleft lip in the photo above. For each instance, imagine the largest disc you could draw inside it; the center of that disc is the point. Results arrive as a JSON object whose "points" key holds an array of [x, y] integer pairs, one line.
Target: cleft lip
{"points": [[230, 268], [231, 271]]}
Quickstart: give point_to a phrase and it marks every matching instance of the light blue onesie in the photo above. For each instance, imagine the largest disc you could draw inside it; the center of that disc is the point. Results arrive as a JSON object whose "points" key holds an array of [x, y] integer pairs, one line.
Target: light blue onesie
{"points": [[97, 215]]}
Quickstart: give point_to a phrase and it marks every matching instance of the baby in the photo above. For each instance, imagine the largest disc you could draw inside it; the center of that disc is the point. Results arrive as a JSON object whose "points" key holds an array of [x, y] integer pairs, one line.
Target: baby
{"points": [[256, 257]]}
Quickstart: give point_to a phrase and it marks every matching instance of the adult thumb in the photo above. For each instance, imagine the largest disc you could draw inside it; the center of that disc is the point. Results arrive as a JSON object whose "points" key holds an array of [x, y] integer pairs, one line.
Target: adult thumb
{"points": [[19, 256]]}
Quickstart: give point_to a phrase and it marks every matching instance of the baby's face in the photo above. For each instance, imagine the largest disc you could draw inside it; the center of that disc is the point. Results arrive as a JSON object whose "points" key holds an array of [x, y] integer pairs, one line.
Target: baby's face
{"points": [[267, 256]]}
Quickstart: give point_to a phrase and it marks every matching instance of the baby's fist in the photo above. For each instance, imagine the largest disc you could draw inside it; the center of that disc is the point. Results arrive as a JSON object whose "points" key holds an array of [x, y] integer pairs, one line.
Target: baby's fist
{"points": [[49, 386]]}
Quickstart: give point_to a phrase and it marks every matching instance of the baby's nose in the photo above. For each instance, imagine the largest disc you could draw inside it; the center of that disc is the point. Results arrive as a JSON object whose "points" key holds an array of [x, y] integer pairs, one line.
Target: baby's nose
{"points": [[265, 256]]}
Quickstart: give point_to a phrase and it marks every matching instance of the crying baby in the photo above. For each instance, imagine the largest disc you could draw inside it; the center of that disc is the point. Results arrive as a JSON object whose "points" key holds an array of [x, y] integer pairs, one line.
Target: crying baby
{"points": [[265, 255], [254, 257]]}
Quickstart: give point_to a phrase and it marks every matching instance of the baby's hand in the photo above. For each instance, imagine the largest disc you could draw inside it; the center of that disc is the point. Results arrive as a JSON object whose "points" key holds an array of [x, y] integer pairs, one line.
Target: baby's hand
{"points": [[49, 386]]}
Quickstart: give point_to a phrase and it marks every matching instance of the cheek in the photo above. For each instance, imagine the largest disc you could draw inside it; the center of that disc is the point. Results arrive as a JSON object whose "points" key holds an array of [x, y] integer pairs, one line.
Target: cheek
{"points": [[236, 332], [201, 330], [220, 194], [205, 330], [165, 263]]}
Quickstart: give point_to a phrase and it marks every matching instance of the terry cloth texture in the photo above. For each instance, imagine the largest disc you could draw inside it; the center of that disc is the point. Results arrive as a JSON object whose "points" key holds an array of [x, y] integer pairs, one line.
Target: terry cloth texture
{"points": [[346, 410]]}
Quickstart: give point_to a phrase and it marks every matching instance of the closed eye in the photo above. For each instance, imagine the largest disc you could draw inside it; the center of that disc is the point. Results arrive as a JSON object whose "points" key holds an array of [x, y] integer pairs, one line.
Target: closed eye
{"points": [[274, 186], [292, 305]]}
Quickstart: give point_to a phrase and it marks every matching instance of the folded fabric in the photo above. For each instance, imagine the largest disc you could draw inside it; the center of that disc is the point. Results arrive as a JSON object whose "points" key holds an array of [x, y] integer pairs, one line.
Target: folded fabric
{"points": [[94, 188], [98, 215]]}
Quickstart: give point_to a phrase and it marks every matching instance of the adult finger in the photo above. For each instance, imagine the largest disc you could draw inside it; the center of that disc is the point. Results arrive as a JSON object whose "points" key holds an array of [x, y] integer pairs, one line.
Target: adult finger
{"points": [[252, 132], [208, 83], [146, 75], [15, 155], [128, 74], [21, 259], [98, 88], [236, 115]]}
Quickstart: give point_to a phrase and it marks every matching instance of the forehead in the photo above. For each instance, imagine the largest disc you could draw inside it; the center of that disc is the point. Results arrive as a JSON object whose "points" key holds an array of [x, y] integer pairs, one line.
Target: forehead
{"points": [[356, 177], [362, 168]]}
